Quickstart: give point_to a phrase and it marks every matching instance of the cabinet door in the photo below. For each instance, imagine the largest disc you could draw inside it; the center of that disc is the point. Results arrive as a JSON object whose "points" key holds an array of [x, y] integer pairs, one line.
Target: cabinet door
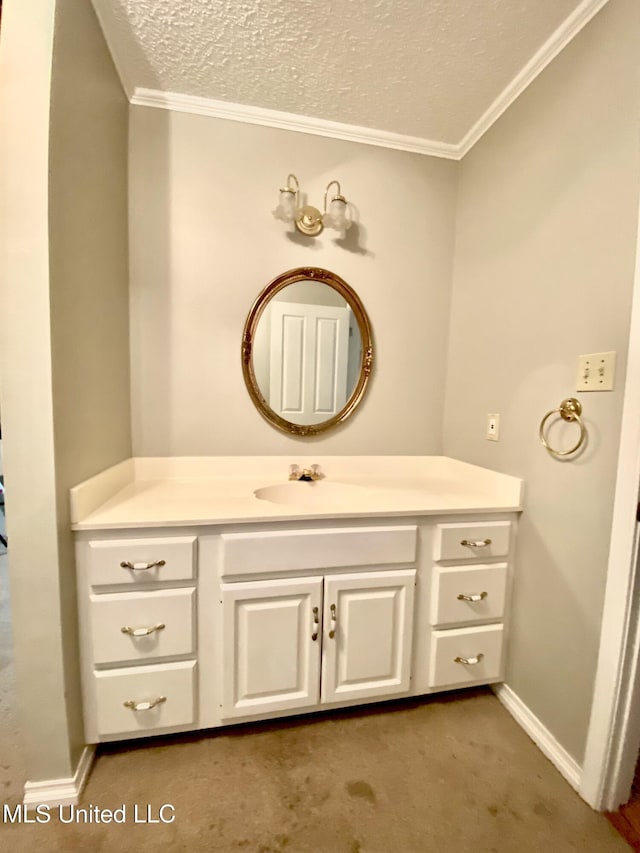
{"points": [[371, 618], [271, 645]]}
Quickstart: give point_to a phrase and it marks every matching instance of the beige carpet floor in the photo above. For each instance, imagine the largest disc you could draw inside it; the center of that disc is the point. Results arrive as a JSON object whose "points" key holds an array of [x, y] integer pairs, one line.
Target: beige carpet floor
{"points": [[452, 774]]}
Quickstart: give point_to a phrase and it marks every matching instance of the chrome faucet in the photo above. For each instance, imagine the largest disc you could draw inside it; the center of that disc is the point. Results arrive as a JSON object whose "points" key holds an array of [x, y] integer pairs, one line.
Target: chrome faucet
{"points": [[304, 475]]}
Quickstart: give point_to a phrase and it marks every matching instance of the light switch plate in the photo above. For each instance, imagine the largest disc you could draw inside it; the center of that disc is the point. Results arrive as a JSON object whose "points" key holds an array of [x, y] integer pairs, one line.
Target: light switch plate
{"points": [[493, 427], [596, 371]]}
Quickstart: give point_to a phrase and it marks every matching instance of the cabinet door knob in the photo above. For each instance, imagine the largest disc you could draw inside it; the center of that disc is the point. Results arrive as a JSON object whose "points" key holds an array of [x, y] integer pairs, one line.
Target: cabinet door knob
{"points": [[475, 543], [142, 632], [470, 661], [144, 706], [334, 622], [475, 596], [316, 623], [138, 567]]}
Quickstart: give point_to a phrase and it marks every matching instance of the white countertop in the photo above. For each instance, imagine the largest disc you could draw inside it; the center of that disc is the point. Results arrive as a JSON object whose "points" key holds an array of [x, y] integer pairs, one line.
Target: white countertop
{"points": [[187, 491]]}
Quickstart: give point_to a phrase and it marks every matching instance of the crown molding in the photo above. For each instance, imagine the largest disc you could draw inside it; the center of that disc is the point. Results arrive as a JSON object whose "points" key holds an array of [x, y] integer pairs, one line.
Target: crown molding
{"points": [[567, 31], [291, 121], [369, 136]]}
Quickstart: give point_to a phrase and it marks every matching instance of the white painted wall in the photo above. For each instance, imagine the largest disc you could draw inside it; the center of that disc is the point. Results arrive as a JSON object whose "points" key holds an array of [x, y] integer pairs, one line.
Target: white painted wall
{"points": [[545, 248], [27, 405], [63, 336], [204, 244], [88, 285]]}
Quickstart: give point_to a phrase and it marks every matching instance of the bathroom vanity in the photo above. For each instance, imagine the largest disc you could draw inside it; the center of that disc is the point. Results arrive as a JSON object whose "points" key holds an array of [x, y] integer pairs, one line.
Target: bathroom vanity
{"points": [[213, 590]]}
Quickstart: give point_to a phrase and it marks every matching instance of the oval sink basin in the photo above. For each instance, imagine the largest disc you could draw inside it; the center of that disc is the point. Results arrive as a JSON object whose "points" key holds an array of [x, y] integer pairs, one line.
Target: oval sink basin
{"points": [[315, 493]]}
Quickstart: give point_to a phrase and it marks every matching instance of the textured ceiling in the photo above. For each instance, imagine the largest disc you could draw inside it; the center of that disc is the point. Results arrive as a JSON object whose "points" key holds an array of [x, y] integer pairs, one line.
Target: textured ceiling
{"points": [[426, 68]]}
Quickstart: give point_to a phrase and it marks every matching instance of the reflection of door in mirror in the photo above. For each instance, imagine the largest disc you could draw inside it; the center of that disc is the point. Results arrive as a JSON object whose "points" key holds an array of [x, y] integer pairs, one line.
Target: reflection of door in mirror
{"points": [[308, 360], [307, 351]]}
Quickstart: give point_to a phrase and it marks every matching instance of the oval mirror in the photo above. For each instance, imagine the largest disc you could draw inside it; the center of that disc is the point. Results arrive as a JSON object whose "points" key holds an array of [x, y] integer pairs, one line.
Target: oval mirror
{"points": [[307, 351]]}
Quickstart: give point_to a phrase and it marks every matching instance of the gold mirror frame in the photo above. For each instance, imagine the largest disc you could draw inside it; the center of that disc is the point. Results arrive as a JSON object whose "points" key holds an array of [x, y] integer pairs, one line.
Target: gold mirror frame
{"points": [[248, 336]]}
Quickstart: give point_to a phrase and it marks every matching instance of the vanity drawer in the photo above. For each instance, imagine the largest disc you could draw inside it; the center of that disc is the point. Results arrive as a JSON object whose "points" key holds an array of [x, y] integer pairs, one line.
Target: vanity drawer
{"points": [[299, 550], [147, 560], [472, 541], [485, 585], [144, 686], [140, 611], [480, 646]]}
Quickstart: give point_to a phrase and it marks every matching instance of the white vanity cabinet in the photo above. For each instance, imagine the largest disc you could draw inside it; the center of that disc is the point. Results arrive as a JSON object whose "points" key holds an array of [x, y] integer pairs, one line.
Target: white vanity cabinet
{"points": [[271, 635], [340, 634], [186, 629], [296, 643], [470, 582], [368, 634], [138, 627], [212, 590]]}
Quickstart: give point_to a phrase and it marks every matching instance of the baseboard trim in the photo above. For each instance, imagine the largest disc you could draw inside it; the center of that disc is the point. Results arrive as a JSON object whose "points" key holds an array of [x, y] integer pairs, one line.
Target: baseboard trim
{"points": [[540, 735], [61, 792]]}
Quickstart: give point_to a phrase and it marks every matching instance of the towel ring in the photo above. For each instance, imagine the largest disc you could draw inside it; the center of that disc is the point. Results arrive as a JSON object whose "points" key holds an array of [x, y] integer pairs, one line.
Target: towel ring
{"points": [[569, 410]]}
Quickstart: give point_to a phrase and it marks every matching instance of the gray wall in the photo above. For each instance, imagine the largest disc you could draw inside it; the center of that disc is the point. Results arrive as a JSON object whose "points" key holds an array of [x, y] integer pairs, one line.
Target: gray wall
{"points": [[204, 244], [545, 248], [65, 376]]}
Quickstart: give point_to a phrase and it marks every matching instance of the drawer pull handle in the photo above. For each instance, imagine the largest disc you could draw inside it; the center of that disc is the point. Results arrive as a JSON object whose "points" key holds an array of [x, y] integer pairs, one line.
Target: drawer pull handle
{"points": [[138, 567], [475, 543], [144, 706], [470, 661], [334, 622], [475, 596], [142, 632], [316, 623]]}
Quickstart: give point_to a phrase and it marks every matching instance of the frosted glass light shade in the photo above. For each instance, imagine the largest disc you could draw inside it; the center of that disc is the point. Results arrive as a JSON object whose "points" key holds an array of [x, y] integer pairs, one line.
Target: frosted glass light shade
{"points": [[286, 209], [336, 218]]}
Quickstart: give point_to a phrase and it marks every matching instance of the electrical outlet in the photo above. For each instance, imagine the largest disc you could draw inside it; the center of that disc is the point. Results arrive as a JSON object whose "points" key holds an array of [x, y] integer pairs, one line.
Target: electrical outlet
{"points": [[596, 371], [493, 427]]}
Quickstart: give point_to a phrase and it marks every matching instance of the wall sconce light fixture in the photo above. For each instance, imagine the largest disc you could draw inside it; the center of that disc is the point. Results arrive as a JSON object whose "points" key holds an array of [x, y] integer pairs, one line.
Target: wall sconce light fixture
{"points": [[308, 219]]}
